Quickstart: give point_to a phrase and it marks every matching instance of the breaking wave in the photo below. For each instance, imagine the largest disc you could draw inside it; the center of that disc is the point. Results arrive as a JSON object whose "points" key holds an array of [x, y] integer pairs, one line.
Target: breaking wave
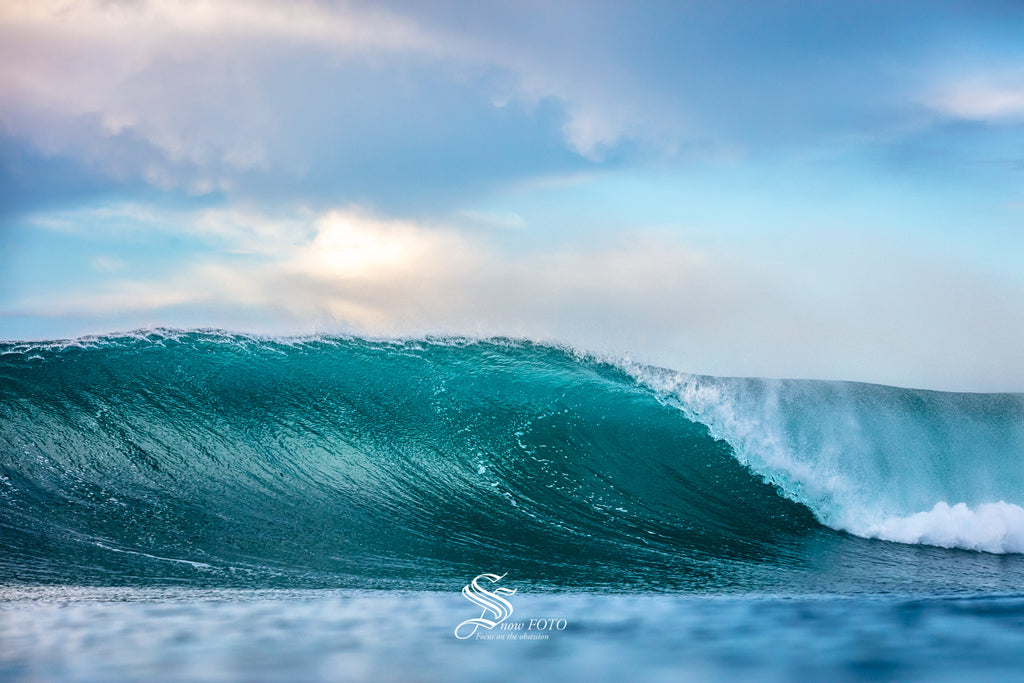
{"points": [[206, 457]]}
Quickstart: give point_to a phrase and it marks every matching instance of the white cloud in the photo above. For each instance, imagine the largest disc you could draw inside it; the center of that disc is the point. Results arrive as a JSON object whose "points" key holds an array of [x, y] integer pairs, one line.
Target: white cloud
{"points": [[174, 92], [869, 315], [192, 93], [205, 95], [145, 28], [355, 271], [993, 99]]}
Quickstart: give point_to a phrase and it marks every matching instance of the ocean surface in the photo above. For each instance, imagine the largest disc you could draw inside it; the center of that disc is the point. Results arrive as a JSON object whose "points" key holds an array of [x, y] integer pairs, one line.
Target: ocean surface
{"points": [[198, 504]]}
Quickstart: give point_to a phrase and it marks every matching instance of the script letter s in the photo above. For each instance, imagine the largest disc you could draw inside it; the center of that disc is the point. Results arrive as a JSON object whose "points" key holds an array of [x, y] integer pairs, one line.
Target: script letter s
{"points": [[490, 601]]}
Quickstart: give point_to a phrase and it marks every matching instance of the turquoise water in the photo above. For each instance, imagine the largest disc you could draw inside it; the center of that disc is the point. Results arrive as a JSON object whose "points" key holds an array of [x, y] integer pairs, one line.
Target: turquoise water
{"points": [[196, 503]]}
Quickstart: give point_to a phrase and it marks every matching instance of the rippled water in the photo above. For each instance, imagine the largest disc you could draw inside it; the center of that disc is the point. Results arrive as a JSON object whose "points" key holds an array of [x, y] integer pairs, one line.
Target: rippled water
{"points": [[146, 634]]}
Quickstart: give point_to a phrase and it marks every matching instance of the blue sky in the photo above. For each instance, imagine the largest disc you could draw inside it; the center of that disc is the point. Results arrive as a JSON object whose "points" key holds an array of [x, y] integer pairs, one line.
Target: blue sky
{"points": [[798, 189]]}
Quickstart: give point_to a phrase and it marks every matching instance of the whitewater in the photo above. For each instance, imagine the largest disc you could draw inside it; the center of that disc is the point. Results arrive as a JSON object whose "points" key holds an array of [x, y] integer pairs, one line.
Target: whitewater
{"points": [[877, 461]]}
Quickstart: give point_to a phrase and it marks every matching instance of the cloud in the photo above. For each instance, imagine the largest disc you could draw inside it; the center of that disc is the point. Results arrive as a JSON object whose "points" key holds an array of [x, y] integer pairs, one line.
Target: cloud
{"points": [[202, 95], [344, 101], [174, 91], [868, 313], [987, 100], [341, 27], [352, 270]]}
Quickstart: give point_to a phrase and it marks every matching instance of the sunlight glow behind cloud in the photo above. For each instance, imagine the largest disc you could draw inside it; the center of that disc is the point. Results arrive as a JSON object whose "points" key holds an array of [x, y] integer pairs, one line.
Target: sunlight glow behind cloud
{"points": [[646, 293]]}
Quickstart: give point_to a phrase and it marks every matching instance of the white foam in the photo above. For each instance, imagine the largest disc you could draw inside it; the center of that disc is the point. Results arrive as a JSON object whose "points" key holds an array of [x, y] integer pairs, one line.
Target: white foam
{"points": [[990, 527], [863, 457]]}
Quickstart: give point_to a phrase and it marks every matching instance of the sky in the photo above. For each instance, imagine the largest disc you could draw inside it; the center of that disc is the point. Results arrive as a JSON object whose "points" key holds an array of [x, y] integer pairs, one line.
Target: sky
{"points": [[776, 189]]}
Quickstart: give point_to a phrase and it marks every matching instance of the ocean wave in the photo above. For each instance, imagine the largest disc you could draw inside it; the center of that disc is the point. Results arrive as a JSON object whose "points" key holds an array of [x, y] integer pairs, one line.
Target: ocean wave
{"points": [[207, 457]]}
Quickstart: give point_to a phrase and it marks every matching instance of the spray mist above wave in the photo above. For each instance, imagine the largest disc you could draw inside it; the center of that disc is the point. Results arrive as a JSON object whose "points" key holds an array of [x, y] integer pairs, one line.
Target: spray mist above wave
{"points": [[905, 465]]}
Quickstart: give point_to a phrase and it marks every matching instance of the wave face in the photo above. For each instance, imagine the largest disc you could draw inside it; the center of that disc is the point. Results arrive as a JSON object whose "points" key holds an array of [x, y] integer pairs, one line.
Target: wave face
{"points": [[209, 458]]}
